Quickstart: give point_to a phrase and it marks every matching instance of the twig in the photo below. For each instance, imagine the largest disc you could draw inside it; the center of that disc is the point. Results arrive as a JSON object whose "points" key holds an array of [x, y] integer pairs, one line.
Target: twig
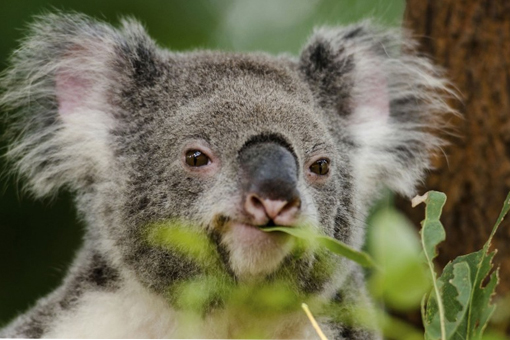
{"points": [[312, 320]]}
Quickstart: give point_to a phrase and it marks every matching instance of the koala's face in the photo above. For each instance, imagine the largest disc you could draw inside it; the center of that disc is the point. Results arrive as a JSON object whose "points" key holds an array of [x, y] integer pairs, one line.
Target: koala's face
{"points": [[231, 152], [226, 142]]}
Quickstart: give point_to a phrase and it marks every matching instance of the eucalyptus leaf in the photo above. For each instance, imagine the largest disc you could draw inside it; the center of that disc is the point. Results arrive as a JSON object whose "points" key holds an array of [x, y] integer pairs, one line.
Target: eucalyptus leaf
{"points": [[460, 305], [327, 242], [432, 233]]}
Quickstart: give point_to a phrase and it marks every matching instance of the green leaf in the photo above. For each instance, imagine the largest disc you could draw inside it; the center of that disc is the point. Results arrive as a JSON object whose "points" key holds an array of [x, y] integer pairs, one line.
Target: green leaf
{"points": [[480, 308], [394, 243], [329, 243], [187, 240], [456, 289], [502, 214], [460, 305], [266, 299], [432, 230], [199, 294], [432, 233]]}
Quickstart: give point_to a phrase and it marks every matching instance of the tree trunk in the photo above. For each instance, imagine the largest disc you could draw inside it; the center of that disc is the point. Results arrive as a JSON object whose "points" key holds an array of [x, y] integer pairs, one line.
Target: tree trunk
{"points": [[471, 40]]}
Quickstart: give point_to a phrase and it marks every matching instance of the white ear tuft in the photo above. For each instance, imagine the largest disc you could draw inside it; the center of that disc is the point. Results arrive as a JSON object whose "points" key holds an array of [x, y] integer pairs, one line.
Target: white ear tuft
{"points": [[371, 100], [59, 92], [83, 74], [389, 98]]}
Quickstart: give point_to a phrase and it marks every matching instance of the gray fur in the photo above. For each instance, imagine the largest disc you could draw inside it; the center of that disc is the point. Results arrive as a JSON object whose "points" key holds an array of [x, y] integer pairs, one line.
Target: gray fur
{"points": [[105, 113]]}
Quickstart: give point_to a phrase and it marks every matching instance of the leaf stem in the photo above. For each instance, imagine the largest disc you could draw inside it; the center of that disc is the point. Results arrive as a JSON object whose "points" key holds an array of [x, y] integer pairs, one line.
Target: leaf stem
{"points": [[314, 323], [436, 291]]}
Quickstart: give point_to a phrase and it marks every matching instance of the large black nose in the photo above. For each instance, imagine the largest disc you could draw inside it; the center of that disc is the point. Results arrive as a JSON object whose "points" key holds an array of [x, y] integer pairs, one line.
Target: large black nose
{"points": [[269, 177]]}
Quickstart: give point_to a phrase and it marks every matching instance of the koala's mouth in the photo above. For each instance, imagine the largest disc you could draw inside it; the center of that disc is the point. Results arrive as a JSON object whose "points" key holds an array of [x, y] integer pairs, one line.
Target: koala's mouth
{"points": [[254, 236], [225, 225], [251, 250], [268, 225]]}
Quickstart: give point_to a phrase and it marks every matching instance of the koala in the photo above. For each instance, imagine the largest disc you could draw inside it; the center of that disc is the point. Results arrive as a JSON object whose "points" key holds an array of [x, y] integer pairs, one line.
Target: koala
{"points": [[230, 143]]}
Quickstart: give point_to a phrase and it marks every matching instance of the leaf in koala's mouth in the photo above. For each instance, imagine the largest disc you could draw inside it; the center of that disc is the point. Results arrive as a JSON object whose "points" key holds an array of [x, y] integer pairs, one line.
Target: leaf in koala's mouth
{"points": [[327, 242]]}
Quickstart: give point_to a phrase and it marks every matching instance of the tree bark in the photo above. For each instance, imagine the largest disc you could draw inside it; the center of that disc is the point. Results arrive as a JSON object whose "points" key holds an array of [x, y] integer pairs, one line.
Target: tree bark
{"points": [[471, 40]]}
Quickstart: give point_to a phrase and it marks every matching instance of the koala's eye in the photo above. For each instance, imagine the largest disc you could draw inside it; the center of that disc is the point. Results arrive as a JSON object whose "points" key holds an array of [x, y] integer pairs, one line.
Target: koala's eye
{"points": [[196, 158], [320, 167]]}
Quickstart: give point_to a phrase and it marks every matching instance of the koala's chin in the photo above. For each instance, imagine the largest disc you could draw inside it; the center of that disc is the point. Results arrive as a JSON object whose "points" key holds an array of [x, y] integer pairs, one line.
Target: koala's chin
{"points": [[254, 253]]}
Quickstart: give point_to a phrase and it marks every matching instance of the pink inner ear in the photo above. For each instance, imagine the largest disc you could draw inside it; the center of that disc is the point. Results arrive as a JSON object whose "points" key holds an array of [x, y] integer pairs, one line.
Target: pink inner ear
{"points": [[71, 92], [376, 97]]}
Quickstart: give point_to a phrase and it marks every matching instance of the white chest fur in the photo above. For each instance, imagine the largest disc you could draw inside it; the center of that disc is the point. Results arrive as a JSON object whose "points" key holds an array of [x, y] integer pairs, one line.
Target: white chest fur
{"points": [[135, 312]]}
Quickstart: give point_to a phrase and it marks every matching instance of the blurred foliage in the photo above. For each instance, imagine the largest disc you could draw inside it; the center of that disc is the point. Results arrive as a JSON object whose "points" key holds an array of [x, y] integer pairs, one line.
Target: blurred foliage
{"points": [[396, 246], [314, 241], [38, 238], [456, 304], [257, 307]]}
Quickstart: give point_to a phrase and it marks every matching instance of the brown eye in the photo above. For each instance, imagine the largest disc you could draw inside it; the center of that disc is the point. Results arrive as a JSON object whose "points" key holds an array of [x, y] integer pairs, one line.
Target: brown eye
{"points": [[320, 167], [196, 158]]}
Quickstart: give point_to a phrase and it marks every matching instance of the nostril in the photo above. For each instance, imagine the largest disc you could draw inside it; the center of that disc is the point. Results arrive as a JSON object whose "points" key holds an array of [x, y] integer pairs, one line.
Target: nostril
{"points": [[254, 206], [288, 215], [292, 205], [256, 202]]}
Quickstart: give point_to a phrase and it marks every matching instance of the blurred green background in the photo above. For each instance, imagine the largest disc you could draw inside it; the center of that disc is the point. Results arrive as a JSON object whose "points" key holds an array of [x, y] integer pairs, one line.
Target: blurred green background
{"points": [[39, 238]]}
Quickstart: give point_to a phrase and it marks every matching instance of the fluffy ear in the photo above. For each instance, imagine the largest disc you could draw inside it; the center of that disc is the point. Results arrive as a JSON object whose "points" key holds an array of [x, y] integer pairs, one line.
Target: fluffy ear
{"points": [[382, 96], [60, 92]]}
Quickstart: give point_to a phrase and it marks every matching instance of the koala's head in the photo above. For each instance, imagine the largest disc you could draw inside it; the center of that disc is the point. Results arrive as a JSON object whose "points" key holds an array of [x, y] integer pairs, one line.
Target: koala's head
{"points": [[228, 142]]}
